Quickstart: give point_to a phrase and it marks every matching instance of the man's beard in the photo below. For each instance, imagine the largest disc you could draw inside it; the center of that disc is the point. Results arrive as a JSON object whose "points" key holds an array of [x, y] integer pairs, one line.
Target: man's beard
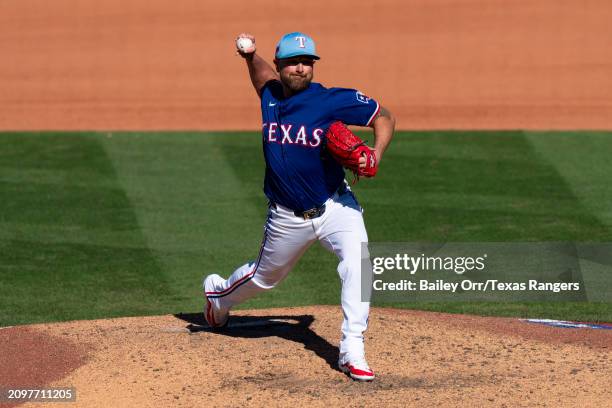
{"points": [[296, 83]]}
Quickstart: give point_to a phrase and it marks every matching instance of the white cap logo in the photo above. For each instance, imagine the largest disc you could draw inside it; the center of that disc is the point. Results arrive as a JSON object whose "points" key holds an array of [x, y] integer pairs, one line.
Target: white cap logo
{"points": [[302, 41]]}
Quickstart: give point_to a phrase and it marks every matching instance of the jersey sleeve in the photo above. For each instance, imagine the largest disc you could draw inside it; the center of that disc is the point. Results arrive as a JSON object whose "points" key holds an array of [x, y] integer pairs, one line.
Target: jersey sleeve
{"points": [[352, 107]]}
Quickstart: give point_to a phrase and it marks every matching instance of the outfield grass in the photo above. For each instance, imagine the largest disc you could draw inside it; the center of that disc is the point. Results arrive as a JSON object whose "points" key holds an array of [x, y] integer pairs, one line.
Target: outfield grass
{"points": [[95, 225]]}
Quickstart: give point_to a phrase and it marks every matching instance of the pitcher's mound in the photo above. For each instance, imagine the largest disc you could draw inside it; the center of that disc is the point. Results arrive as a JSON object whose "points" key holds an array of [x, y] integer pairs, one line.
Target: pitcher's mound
{"points": [[285, 357]]}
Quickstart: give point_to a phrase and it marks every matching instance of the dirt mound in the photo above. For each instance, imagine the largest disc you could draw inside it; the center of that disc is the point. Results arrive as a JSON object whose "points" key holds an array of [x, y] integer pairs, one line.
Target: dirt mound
{"points": [[287, 357]]}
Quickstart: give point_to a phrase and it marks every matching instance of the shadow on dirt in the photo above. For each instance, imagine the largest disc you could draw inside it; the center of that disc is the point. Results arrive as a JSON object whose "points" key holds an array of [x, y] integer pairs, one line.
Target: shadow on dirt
{"points": [[293, 328]]}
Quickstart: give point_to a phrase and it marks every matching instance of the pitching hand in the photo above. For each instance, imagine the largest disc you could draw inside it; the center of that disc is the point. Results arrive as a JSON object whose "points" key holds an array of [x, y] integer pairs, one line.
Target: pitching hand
{"points": [[245, 44]]}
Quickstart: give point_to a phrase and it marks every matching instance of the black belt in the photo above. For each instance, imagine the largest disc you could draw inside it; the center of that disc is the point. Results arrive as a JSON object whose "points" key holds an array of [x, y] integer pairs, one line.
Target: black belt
{"points": [[312, 213], [315, 212]]}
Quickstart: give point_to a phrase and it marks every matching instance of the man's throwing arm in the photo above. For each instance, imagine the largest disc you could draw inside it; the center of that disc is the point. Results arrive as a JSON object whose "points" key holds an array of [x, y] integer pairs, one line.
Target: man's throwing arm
{"points": [[259, 70]]}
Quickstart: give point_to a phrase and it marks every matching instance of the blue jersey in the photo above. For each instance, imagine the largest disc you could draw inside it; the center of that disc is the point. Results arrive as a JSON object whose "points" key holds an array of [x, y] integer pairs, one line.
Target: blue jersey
{"points": [[300, 174]]}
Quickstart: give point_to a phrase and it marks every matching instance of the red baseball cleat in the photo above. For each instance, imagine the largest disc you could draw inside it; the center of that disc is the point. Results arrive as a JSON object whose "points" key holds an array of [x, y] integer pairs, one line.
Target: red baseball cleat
{"points": [[357, 369]]}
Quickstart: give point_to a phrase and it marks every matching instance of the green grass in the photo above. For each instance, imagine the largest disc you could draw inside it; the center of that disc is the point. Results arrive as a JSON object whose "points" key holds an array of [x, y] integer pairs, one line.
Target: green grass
{"points": [[95, 225]]}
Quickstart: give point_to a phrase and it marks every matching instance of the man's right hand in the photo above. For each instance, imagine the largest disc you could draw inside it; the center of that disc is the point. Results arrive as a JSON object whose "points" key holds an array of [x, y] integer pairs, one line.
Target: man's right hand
{"points": [[259, 70], [243, 47]]}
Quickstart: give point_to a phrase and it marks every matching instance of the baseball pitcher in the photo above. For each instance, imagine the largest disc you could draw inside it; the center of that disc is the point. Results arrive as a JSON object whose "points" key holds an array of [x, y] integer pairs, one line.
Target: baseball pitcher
{"points": [[306, 146]]}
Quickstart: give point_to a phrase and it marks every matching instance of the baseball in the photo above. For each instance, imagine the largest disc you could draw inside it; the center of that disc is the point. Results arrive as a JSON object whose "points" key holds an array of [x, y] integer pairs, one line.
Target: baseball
{"points": [[245, 45]]}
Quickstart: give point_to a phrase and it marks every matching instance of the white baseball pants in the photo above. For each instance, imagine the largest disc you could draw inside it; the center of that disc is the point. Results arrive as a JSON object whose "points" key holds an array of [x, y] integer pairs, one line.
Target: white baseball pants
{"points": [[286, 237]]}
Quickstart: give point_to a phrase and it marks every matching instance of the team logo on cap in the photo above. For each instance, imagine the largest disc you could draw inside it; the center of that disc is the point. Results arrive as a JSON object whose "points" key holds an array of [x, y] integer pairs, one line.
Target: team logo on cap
{"points": [[302, 41], [361, 97]]}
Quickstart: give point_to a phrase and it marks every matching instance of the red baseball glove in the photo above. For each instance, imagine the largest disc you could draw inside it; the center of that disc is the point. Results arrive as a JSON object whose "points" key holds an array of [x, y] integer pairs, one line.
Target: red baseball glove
{"points": [[347, 149]]}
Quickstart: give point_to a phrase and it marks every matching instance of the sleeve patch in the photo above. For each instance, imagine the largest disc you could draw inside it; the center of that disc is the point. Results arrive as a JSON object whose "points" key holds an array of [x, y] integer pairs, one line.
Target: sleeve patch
{"points": [[362, 97]]}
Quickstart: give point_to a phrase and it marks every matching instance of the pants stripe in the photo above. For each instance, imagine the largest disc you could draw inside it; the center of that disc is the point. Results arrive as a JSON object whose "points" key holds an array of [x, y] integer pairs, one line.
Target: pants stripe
{"points": [[246, 277]]}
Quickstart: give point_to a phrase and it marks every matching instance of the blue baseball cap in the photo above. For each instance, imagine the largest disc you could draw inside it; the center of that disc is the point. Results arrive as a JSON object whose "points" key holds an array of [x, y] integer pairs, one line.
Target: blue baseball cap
{"points": [[295, 44]]}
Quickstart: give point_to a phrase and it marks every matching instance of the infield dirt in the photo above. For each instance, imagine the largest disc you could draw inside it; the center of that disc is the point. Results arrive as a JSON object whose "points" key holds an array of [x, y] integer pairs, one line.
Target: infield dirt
{"points": [[155, 64], [421, 359]]}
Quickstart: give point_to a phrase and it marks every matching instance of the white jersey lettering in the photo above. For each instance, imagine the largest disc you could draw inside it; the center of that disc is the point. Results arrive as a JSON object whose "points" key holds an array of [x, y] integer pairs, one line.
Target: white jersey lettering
{"points": [[301, 136], [316, 135], [272, 132], [286, 134]]}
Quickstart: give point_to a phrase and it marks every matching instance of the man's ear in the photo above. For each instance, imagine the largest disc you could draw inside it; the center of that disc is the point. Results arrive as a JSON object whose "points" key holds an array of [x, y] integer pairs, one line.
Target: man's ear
{"points": [[276, 61]]}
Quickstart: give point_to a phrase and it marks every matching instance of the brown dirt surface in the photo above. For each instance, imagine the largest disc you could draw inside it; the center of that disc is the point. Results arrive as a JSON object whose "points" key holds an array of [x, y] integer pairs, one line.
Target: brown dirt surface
{"points": [[157, 64], [285, 357], [32, 358]]}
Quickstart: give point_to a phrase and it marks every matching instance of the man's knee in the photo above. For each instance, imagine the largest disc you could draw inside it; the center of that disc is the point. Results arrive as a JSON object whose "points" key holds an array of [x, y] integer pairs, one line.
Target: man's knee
{"points": [[267, 280]]}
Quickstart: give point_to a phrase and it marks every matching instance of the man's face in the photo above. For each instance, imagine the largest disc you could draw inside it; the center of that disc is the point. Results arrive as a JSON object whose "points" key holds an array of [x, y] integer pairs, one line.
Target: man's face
{"points": [[296, 72]]}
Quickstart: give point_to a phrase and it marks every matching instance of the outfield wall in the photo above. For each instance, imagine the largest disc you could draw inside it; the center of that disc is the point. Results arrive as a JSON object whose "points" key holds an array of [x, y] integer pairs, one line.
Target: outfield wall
{"points": [[154, 64]]}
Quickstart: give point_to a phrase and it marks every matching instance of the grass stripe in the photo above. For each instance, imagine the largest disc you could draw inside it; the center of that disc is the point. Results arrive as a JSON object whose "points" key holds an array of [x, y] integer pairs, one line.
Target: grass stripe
{"points": [[466, 186], [197, 198], [582, 159], [70, 243]]}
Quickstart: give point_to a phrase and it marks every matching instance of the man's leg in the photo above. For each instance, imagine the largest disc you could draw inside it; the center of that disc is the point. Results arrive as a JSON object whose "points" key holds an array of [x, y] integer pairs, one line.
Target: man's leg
{"points": [[343, 233], [286, 238]]}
